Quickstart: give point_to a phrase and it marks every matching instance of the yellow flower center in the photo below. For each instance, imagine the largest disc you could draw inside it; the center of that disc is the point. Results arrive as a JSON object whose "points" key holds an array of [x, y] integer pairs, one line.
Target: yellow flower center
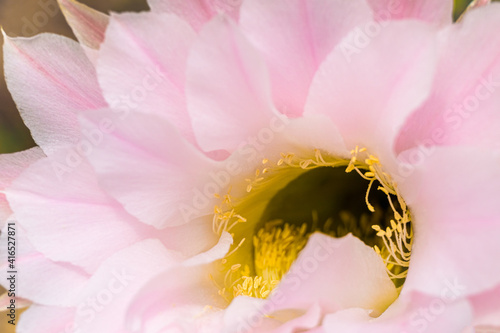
{"points": [[290, 198]]}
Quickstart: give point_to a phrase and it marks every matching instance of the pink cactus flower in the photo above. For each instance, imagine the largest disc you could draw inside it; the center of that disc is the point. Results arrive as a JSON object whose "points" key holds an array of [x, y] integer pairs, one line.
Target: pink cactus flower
{"points": [[256, 166]]}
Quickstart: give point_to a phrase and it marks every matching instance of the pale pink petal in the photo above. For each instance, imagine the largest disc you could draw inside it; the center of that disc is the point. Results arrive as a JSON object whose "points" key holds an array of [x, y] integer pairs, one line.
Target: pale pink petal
{"points": [[46, 319], [12, 165], [50, 77], [67, 216], [413, 313], [295, 36], [486, 308], [330, 274], [336, 273], [438, 12], [179, 287], [453, 196], [144, 163], [248, 314], [463, 107], [185, 290], [87, 24], [197, 12], [213, 254], [368, 95], [149, 75], [104, 301], [229, 93], [65, 281]]}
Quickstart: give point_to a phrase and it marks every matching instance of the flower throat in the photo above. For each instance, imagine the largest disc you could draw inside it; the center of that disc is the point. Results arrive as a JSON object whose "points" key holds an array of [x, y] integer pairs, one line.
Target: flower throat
{"points": [[291, 198]]}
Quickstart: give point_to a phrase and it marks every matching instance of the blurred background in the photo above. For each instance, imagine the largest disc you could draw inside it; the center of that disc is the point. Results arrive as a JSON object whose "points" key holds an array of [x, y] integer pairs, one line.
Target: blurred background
{"points": [[17, 17]]}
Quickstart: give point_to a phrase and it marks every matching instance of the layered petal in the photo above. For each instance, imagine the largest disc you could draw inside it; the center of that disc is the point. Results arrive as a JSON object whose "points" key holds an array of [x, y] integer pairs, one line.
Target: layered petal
{"points": [[453, 195], [46, 319], [369, 91], [87, 24], [486, 308], [109, 293], [413, 313], [227, 113], [66, 215], [149, 76], [330, 274], [12, 165], [61, 289], [183, 296], [314, 277], [197, 12], [438, 12], [50, 78], [144, 163], [463, 106], [296, 43]]}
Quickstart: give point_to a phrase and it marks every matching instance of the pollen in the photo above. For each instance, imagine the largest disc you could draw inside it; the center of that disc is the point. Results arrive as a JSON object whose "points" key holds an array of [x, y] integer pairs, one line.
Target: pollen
{"points": [[263, 252], [276, 246]]}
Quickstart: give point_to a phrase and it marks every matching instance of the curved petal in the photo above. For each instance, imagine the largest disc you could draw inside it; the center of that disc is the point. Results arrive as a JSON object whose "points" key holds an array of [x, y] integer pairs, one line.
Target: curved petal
{"points": [[227, 113], [463, 107], [87, 24], [50, 78], [413, 313], [12, 165], [455, 238], [294, 45], [197, 12], [486, 308], [46, 319], [144, 163], [104, 302], [149, 76], [65, 281], [330, 274], [248, 314], [369, 89], [314, 277], [438, 12], [67, 216]]}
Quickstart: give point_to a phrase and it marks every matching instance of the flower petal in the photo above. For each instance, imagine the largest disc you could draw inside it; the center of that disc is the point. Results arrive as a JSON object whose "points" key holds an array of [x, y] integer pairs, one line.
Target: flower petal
{"points": [[296, 43], [413, 313], [315, 277], [144, 163], [439, 12], [463, 108], [332, 273], [12, 165], [65, 281], [227, 113], [369, 95], [105, 300], [50, 78], [68, 218], [46, 319], [150, 75], [487, 308], [197, 12], [455, 237], [87, 24]]}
